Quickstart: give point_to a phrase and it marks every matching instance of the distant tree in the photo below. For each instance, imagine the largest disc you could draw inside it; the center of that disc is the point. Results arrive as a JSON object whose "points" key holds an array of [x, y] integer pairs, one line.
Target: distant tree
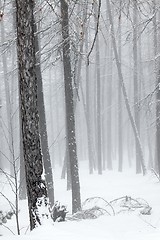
{"points": [[22, 184], [120, 139], [88, 113], [36, 188], [9, 109], [133, 124], [98, 106], [156, 71], [109, 103], [69, 105], [108, 99], [98, 93], [135, 78], [98, 112]]}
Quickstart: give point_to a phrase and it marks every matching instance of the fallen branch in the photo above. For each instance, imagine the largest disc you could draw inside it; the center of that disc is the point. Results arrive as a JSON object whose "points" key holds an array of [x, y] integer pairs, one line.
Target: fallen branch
{"points": [[98, 201], [95, 207]]}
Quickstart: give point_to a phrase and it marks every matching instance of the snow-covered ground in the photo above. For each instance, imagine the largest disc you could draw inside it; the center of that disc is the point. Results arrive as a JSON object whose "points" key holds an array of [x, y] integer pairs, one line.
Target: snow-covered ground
{"points": [[125, 225]]}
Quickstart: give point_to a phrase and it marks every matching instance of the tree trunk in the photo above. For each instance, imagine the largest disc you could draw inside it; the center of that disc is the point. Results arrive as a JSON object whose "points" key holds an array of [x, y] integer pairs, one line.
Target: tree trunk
{"points": [[42, 125], [52, 152], [69, 104], [8, 101], [99, 133], [109, 107], [88, 113], [156, 64], [136, 134], [120, 139], [136, 88], [36, 188]]}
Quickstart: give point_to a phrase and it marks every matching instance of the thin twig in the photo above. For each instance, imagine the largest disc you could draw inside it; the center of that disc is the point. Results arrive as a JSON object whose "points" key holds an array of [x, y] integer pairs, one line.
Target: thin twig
{"points": [[8, 229], [95, 36], [10, 203], [99, 198]]}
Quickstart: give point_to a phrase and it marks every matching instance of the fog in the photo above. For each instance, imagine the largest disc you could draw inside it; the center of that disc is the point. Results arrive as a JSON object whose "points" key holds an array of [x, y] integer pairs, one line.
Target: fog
{"points": [[99, 66]]}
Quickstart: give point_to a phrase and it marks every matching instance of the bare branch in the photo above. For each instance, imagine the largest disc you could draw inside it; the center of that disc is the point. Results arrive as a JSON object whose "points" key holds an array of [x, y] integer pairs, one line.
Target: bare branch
{"points": [[95, 36]]}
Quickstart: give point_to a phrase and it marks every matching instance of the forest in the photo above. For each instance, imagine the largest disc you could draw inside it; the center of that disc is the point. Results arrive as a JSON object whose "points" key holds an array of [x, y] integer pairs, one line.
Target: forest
{"points": [[79, 118]]}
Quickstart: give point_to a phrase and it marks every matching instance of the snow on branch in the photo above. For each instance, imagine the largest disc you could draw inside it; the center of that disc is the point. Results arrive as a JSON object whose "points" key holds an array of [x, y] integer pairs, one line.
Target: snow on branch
{"points": [[95, 207]]}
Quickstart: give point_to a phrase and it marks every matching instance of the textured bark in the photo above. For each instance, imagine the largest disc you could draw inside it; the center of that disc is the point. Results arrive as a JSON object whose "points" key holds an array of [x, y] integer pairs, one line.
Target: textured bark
{"points": [[43, 127], [70, 119], [36, 188]]}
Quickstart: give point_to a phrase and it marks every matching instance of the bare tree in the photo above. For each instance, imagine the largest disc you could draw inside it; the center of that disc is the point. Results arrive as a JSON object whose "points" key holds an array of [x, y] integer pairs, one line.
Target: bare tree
{"points": [[136, 134], [109, 105], [9, 124], [69, 104], [88, 113], [120, 138], [98, 112], [36, 188], [135, 78]]}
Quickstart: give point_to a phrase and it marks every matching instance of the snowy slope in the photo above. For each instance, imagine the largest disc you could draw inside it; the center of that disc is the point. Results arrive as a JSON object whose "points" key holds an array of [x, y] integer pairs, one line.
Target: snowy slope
{"points": [[111, 185]]}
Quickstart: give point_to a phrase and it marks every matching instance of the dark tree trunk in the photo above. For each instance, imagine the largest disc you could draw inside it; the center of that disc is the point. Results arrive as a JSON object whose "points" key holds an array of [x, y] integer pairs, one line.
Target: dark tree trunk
{"points": [[43, 127], [70, 119], [36, 188]]}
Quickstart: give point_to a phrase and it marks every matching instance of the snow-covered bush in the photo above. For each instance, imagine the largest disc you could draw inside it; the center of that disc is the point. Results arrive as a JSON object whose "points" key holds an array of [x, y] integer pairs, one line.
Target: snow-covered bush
{"points": [[4, 216]]}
